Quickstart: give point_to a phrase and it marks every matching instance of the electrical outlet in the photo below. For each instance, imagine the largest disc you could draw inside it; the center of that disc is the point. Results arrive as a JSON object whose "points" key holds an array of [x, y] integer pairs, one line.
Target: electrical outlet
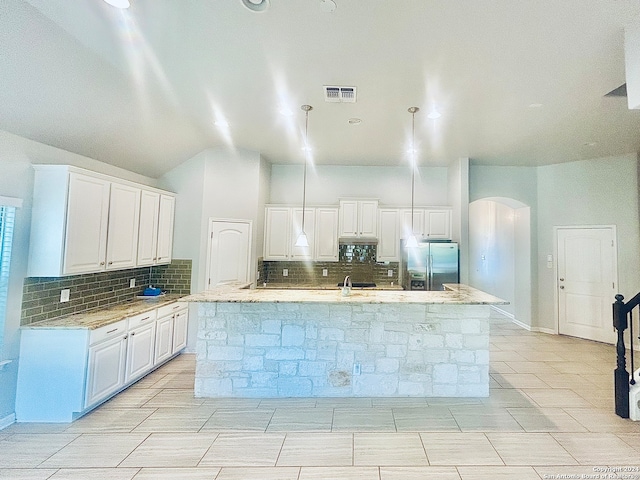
{"points": [[357, 369], [64, 295], [389, 273], [258, 276], [325, 272], [285, 272], [132, 283]]}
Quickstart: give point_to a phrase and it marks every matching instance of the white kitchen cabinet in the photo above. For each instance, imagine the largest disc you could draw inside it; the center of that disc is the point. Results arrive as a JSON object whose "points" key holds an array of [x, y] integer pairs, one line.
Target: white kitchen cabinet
{"points": [[85, 222], [282, 228], [165, 228], [438, 223], [86, 225], [148, 231], [106, 369], [65, 372], [164, 338], [388, 249], [326, 234], [277, 233], [180, 323], [418, 223], [122, 232], [155, 234], [302, 253], [358, 218], [141, 345], [428, 223]]}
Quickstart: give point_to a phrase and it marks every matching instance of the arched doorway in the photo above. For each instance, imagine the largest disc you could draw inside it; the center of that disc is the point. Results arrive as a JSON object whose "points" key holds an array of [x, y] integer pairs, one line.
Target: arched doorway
{"points": [[500, 253]]}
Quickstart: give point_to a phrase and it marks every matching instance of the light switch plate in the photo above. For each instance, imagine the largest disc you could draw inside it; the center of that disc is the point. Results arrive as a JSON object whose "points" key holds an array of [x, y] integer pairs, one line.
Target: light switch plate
{"points": [[389, 273], [132, 283], [64, 295], [285, 272]]}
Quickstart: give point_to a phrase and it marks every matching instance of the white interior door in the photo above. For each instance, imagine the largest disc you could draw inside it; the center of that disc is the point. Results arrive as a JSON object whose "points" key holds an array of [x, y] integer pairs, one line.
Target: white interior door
{"points": [[229, 244], [587, 279]]}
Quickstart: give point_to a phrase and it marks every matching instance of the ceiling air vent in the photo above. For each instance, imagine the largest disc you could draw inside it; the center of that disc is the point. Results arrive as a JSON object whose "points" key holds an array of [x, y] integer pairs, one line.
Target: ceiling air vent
{"points": [[336, 94]]}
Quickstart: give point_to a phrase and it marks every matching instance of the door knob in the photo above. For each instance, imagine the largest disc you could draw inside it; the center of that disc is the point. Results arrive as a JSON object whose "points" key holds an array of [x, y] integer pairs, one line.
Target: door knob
{"points": [[561, 287], [562, 279]]}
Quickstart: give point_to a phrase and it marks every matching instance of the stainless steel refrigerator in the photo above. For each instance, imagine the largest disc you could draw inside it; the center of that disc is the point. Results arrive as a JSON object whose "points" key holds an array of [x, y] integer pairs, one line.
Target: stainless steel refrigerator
{"points": [[429, 265]]}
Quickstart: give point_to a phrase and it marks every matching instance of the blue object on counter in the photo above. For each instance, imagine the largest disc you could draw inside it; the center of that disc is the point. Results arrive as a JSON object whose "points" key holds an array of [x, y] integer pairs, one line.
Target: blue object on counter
{"points": [[151, 292]]}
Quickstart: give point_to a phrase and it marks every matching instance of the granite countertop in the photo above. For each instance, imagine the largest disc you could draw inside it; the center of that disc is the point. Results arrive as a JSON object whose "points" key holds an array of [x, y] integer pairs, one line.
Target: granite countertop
{"points": [[456, 294], [311, 286], [104, 316]]}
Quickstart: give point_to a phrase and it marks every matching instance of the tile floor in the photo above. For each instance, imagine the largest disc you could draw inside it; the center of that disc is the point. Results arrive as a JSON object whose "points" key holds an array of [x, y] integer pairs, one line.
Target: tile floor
{"points": [[549, 415]]}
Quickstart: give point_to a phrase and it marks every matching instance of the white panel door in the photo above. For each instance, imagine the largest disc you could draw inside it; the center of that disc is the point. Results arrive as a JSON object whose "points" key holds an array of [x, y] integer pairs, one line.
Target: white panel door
{"points": [[587, 279], [349, 218], [326, 235], [164, 339], [122, 233], [229, 251], [165, 228], [368, 218], [140, 351], [106, 369], [148, 231], [437, 224], [302, 253], [277, 233], [388, 235], [87, 218]]}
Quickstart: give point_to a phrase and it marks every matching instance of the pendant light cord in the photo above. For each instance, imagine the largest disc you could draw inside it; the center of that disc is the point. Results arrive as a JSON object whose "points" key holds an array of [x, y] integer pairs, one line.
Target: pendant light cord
{"points": [[306, 109], [413, 164]]}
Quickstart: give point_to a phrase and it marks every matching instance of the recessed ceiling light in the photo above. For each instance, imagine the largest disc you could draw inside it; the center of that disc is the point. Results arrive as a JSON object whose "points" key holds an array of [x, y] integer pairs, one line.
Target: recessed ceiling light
{"points": [[434, 114], [119, 3], [287, 112], [590, 144], [355, 121], [535, 105], [221, 123], [256, 5], [328, 6]]}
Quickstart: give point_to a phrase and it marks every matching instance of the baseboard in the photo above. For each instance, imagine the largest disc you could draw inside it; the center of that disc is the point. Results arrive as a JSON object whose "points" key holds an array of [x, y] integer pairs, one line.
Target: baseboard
{"points": [[8, 420], [503, 312]]}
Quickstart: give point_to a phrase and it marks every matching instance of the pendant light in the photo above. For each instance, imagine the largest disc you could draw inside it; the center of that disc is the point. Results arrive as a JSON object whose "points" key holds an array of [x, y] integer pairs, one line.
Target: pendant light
{"points": [[302, 240], [412, 241]]}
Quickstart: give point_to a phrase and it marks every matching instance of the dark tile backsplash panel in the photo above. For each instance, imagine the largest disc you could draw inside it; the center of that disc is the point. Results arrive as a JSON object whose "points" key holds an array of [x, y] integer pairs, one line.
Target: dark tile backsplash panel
{"points": [[41, 296], [357, 261]]}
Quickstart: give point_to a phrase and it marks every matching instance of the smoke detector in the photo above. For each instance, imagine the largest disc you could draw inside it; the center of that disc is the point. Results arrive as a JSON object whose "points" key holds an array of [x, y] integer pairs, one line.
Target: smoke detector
{"points": [[338, 94]]}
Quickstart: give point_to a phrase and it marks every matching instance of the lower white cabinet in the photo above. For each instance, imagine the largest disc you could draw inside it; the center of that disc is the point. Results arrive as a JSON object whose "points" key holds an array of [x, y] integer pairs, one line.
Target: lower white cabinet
{"points": [[106, 369], [65, 372]]}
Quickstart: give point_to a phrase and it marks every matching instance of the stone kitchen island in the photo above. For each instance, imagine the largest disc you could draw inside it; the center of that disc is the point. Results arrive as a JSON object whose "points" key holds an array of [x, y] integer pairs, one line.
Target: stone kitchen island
{"points": [[321, 343]]}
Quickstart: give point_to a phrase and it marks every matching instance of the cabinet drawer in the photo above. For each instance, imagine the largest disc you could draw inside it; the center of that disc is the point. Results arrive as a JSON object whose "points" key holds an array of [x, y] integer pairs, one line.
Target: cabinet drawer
{"points": [[142, 319], [108, 331], [171, 308]]}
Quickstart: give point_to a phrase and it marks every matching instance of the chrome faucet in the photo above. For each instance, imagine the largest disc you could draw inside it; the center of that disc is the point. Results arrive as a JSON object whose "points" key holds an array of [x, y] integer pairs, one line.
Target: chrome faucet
{"points": [[346, 286]]}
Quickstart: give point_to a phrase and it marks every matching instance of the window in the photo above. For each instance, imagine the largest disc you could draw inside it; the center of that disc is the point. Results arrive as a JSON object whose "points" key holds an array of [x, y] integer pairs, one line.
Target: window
{"points": [[7, 217]]}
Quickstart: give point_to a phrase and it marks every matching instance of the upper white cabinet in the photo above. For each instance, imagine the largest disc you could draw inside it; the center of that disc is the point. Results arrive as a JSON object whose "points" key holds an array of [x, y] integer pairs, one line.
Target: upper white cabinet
{"points": [[122, 232], [84, 222], [283, 225], [326, 234], [165, 228], [86, 227], [358, 218], [388, 249], [428, 223]]}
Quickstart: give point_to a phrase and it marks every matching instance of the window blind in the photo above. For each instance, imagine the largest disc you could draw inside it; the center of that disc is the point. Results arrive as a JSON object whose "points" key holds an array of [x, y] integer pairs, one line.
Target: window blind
{"points": [[7, 217]]}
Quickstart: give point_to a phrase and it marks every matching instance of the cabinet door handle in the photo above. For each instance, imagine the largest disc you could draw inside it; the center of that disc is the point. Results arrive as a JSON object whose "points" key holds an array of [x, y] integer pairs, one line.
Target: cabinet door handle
{"points": [[101, 263], [125, 337], [145, 318], [111, 331], [110, 263], [132, 334]]}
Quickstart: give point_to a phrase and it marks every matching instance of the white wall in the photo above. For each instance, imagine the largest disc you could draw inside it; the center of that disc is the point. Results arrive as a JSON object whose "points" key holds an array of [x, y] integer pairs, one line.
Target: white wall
{"points": [[326, 184], [591, 192], [17, 154]]}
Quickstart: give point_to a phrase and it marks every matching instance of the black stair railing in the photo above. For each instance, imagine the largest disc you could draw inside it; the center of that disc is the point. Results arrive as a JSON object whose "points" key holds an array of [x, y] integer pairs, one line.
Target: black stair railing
{"points": [[623, 318]]}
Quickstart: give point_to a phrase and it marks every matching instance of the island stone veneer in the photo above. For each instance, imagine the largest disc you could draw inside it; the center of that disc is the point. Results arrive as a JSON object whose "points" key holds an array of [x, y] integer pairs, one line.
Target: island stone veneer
{"points": [[293, 343]]}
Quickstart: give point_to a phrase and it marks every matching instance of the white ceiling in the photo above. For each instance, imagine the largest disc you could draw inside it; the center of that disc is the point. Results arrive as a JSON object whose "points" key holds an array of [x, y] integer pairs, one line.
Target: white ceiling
{"points": [[141, 88]]}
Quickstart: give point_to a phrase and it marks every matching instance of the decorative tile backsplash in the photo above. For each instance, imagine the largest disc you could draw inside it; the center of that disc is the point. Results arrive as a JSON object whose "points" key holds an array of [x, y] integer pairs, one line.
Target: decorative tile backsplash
{"points": [[357, 261], [41, 295]]}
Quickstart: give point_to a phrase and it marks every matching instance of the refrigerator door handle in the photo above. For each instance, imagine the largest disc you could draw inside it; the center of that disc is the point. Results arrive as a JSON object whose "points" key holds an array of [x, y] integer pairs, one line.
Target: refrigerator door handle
{"points": [[430, 272]]}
